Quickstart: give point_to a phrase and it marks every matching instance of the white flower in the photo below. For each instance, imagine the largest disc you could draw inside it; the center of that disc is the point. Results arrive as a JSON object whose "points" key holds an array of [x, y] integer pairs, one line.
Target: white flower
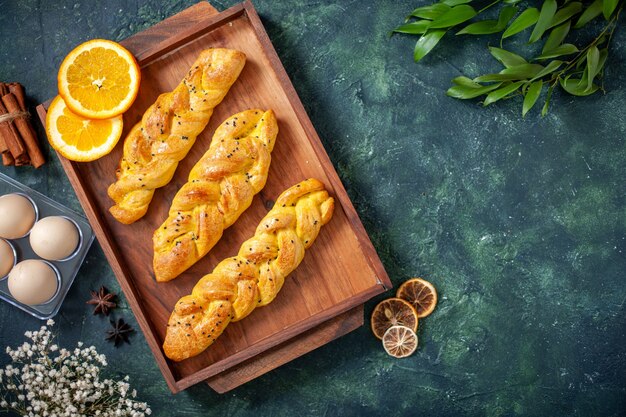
{"points": [[63, 385]]}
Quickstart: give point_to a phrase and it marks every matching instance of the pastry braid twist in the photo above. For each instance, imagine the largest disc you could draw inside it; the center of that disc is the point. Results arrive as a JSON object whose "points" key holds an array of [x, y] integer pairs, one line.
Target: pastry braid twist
{"points": [[220, 187], [252, 278], [168, 129]]}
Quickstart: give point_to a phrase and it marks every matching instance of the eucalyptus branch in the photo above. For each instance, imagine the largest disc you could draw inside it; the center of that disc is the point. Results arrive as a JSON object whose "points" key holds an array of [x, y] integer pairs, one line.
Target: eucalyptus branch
{"points": [[611, 25], [551, 23]]}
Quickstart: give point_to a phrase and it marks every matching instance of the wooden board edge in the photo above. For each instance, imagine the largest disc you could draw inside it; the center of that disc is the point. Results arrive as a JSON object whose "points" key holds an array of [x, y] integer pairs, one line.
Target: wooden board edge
{"points": [[367, 247], [269, 342], [196, 12], [287, 351], [195, 31]]}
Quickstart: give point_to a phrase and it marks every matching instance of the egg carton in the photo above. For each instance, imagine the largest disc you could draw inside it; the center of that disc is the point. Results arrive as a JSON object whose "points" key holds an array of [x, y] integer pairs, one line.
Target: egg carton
{"points": [[66, 269]]}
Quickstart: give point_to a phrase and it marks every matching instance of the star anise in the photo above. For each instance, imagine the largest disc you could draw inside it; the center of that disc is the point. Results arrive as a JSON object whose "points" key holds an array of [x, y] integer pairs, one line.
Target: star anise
{"points": [[103, 300], [119, 333]]}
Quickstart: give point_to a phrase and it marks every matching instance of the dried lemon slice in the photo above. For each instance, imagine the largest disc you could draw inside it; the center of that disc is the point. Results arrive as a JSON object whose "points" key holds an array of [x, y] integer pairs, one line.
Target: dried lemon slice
{"points": [[399, 341], [421, 294], [393, 312]]}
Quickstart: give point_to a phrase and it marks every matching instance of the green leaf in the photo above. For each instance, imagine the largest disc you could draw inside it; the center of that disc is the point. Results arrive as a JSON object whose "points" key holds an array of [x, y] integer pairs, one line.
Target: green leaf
{"points": [[454, 16], [604, 53], [576, 87], [464, 92], [608, 7], [518, 72], [431, 12], [466, 82], [565, 49], [590, 13], [526, 19], [502, 92], [426, 43], [549, 69], [506, 58], [583, 77], [486, 27], [452, 3], [531, 96], [566, 13], [524, 70], [545, 18], [511, 2], [505, 16], [593, 59], [413, 28], [544, 110], [556, 37]]}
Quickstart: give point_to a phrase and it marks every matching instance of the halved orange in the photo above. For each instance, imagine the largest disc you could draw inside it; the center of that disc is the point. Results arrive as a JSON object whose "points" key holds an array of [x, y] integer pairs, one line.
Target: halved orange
{"points": [[99, 79], [421, 294], [399, 341], [78, 138], [393, 312]]}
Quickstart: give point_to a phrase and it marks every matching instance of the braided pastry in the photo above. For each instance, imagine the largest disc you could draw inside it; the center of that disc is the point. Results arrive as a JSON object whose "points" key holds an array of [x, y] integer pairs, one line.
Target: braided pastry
{"points": [[168, 130], [252, 278], [220, 187]]}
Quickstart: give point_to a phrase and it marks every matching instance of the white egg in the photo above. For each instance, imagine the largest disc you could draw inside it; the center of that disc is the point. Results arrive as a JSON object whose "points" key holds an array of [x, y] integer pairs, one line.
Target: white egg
{"points": [[7, 258], [17, 216], [54, 238], [32, 282]]}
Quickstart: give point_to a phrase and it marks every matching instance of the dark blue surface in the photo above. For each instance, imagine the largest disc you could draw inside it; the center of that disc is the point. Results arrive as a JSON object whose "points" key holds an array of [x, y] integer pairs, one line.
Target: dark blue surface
{"points": [[520, 223]]}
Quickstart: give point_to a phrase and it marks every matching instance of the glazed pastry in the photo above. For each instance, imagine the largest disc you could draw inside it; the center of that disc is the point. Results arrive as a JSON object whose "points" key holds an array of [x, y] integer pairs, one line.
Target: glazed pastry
{"points": [[252, 278], [220, 187], [168, 130]]}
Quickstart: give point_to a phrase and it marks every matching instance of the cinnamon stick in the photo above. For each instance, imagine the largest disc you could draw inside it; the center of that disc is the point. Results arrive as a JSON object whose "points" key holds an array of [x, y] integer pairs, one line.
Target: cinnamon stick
{"points": [[34, 149], [17, 90], [24, 160], [7, 159], [4, 131], [11, 137], [23, 127]]}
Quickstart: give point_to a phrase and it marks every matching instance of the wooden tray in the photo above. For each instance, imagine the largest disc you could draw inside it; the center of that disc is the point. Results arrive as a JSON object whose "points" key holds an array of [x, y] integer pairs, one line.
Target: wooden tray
{"points": [[340, 272]]}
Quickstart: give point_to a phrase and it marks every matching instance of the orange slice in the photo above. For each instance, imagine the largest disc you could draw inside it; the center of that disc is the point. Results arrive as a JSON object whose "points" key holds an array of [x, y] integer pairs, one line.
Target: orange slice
{"points": [[99, 79], [77, 138], [421, 294], [393, 312], [399, 341]]}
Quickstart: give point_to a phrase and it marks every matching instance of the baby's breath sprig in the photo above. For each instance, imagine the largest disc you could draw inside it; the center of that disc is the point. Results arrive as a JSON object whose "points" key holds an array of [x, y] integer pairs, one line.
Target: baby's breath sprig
{"points": [[43, 380]]}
